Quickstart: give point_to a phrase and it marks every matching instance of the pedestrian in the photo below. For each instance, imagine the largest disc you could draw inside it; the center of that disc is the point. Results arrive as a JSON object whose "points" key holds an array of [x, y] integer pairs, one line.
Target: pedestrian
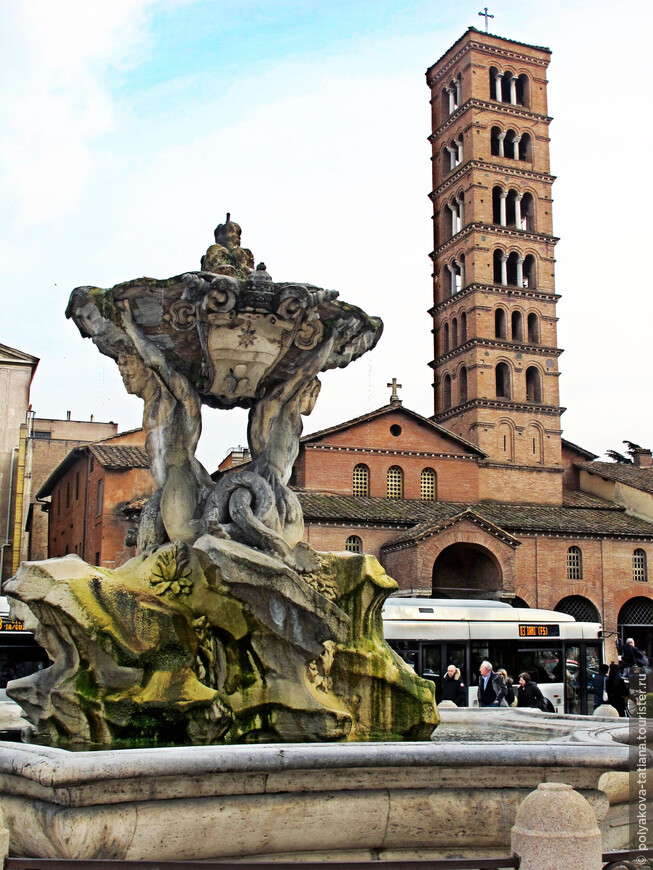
{"points": [[510, 691], [491, 687], [632, 657], [599, 686], [617, 689], [453, 688], [529, 693]]}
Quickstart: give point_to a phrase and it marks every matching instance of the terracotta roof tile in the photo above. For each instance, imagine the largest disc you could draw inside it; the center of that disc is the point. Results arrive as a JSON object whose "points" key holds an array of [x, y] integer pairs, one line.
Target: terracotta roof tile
{"points": [[418, 516], [119, 456]]}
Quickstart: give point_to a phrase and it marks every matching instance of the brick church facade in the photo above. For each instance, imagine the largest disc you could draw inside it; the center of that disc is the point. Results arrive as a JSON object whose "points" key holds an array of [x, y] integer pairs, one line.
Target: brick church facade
{"points": [[486, 499]]}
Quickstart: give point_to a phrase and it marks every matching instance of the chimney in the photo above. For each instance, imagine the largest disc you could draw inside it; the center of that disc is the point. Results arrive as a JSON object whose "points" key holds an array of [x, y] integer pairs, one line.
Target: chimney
{"points": [[91, 418], [67, 415], [642, 457]]}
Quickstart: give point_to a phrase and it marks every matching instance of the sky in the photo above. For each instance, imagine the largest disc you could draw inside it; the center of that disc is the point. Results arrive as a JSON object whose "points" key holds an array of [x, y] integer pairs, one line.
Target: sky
{"points": [[130, 127]]}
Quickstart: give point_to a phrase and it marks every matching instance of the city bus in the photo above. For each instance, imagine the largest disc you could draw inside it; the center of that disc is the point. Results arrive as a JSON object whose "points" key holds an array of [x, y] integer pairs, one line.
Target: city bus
{"points": [[20, 655], [560, 654]]}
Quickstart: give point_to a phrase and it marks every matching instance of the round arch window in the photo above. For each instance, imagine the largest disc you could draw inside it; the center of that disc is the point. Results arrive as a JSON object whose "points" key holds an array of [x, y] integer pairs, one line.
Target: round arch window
{"points": [[579, 607]]}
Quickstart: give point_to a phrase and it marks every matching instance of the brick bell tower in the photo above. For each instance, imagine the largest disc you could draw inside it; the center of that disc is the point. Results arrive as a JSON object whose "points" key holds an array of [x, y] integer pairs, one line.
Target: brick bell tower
{"points": [[494, 302]]}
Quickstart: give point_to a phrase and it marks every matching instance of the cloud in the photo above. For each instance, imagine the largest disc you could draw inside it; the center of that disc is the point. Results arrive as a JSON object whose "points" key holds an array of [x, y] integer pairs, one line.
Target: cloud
{"points": [[55, 62]]}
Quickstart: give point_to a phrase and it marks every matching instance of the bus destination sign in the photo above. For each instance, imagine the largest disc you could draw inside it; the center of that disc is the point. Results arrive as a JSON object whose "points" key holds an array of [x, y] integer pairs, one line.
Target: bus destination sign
{"points": [[11, 625], [526, 630]]}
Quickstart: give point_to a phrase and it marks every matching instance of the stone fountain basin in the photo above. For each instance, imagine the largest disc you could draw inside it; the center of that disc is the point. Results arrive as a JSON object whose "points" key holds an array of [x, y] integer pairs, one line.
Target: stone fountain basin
{"points": [[292, 801]]}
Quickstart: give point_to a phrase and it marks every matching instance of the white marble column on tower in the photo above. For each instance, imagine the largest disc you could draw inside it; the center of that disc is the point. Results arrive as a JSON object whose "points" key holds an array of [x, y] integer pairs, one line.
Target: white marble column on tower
{"points": [[453, 207], [513, 90], [520, 271], [497, 86], [504, 268], [452, 274], [452, 156], [502, 207], [518, 217], [461, 267], [459, 146], [515, 145], [452, 103], [501, 136], [459, 96], [461, 211]]}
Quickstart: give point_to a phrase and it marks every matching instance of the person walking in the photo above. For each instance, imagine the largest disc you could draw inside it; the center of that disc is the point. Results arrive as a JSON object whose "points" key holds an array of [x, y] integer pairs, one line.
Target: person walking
{"points": [[598, 683], [617, 689], [529, 693], [510, 691], [453, 688], [491, 687], [632, 657]]}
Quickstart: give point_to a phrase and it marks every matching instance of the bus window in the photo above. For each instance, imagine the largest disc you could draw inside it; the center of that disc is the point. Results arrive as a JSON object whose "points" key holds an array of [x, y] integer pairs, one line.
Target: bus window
{"points": [[572, 686], [407, 651], [432, 666]]}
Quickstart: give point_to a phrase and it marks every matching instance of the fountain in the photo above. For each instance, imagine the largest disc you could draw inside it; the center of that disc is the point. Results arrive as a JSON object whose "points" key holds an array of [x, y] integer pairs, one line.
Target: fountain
{"points": [[263, 712]]}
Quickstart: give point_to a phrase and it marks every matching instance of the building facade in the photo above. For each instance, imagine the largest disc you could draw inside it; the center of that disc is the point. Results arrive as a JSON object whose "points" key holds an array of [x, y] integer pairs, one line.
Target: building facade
{"points": [[16, 373], [43, 444], [91, 496]]}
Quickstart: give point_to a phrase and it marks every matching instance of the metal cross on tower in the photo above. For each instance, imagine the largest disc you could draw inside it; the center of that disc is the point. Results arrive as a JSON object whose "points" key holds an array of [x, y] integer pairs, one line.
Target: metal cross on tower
{"points": [[486, 15], [395, 386]]}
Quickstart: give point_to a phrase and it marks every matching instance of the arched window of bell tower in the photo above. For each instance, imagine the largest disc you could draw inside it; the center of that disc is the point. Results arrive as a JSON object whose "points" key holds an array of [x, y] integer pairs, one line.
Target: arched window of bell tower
{"points": [[533, 325], [533, 384], [446, 392], [517, 326], [525, 150], [454, 333], [513, 268], [495, 84], [502, 380], [523, 91], [462, 384], [535, 442], [500, 266], [497, 142], [525, 212], [463, 328], [506, 80], [445, 338], [500, 323], [499, 206], [529, 273]]}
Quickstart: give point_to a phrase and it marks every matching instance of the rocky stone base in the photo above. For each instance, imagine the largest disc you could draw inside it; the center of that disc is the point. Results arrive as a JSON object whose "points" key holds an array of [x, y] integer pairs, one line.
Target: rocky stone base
{"points": [[215, 643]]}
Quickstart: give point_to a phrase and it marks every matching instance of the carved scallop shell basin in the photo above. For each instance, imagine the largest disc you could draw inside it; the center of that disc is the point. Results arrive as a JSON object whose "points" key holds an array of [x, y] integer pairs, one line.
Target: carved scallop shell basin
{"points": [[322, 801]]}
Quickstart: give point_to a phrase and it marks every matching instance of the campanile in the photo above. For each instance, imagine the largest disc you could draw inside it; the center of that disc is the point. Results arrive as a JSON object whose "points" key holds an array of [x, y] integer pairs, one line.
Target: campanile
{"points": [[494, 302]]}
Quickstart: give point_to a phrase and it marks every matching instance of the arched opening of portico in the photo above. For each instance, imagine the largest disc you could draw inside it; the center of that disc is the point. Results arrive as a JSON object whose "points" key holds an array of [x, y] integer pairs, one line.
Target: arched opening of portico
{"points": [[465, 570]]}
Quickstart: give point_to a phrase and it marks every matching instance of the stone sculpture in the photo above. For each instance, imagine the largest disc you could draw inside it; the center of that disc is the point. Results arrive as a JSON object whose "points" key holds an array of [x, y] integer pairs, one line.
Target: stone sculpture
{"points": [[226, 627]]}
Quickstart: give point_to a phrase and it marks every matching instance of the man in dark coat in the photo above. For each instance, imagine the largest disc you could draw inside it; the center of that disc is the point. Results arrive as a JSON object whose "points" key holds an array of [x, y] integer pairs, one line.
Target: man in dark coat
{"points": [[491, 687]]}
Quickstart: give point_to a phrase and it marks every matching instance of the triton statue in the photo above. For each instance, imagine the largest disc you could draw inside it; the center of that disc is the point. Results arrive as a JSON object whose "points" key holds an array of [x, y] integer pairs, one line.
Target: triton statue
{"points": [[225, 626]]}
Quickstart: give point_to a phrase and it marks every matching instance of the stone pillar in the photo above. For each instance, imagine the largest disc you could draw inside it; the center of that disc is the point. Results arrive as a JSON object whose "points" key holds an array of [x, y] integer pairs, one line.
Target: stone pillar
{"points": [[497, 86], [556, 827], [461, 211], [513, 90], [502, 207], [459, 146], [452, 276], [459, 96], [501, 137], [520, 271], [515, 145], [454, 217], [451, 100], [504, 268], [518, 200], [452, 156]]}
